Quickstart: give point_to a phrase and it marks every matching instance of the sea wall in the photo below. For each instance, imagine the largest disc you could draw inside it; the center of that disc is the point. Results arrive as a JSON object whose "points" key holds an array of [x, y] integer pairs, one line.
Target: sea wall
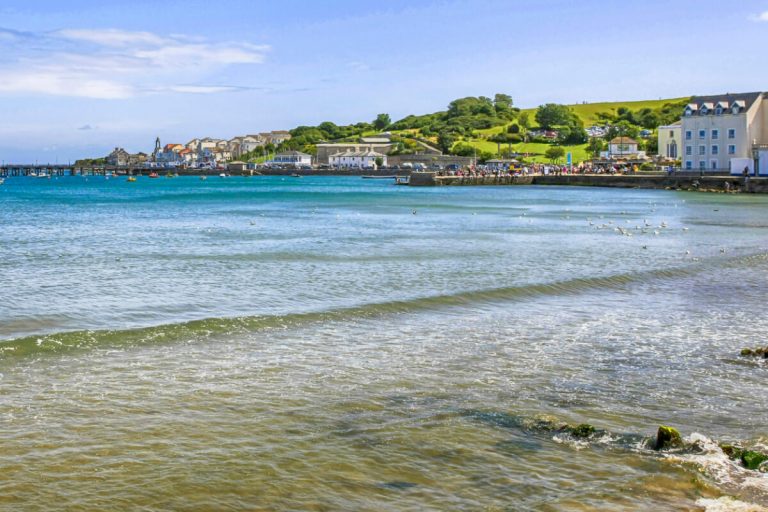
{"points": [[700, 183]]}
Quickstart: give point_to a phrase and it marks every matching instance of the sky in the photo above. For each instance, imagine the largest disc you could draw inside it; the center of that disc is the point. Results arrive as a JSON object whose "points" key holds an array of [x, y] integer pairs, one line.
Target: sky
{"points": [[80, 77]]}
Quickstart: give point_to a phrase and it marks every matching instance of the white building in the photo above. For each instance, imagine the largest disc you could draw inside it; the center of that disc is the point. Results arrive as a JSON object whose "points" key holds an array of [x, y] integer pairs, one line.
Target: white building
{"points": [[623, 148], [293, 159], [725, 133], [670, 141], [357, 159]]}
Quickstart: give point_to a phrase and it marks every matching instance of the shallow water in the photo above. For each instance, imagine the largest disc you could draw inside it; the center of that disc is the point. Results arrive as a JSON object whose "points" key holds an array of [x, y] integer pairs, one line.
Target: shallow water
{"points": [[344, 344]]}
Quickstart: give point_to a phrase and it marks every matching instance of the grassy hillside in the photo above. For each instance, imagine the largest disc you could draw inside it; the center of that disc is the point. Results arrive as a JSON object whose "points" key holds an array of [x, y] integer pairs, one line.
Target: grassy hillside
{"points": [[587, 112]]}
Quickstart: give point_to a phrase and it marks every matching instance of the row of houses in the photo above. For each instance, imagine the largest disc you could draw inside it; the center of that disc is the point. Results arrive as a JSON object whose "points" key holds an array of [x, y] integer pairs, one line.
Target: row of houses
{"points": [[215, 151], [198, 152]]}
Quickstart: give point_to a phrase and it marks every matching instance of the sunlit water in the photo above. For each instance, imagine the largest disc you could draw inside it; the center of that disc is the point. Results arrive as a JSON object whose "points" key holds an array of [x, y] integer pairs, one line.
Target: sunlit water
{"points": [[277, 343]]}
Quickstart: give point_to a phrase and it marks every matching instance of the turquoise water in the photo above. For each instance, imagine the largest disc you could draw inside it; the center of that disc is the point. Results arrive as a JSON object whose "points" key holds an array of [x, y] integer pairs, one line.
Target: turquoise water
{"points": [[337, 343]]}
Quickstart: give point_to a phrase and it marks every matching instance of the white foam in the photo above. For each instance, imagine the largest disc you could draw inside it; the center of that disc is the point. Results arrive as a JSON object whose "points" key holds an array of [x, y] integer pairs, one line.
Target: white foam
{"points": [[727, 504]]}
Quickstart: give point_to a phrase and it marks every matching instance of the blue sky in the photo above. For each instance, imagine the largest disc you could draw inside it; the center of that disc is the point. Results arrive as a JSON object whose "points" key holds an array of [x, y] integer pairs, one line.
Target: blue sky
{"points": [[80, 77]]}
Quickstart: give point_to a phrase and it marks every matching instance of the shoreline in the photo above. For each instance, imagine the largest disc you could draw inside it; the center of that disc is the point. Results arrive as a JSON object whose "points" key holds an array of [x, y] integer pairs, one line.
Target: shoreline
{"points": [[717, 184]]}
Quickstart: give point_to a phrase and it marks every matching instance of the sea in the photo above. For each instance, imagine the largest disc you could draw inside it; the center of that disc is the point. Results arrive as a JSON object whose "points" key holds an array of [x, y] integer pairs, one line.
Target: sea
{"points": [[337, 343]]}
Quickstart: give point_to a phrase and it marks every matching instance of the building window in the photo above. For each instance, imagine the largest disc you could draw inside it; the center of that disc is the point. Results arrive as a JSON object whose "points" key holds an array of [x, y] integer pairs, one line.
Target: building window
{"points": [[672, 150], [688, 135], [713, 164], [715, 150], [731, 149], [719, 111], [702, 165], [715, 134], [731, 133], [688, 164], [702, 150], [671, 134], [702, 134], [689, 150]]}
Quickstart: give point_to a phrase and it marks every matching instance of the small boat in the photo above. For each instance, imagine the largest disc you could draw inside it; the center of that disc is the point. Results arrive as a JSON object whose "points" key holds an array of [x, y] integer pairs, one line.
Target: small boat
{"points": [[131, 179], [294, 175], [2, 180], [203, 178], [153, 175], [223, 175]]}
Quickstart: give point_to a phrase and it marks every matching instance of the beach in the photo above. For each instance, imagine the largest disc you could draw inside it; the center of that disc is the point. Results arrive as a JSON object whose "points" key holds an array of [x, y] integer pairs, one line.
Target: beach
{"points": [[333, 343]]}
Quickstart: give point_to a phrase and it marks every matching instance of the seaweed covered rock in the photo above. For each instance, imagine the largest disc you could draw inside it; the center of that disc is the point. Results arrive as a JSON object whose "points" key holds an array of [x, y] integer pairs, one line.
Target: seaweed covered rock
{"points": [[757, 352], [752, 459], [732, 451], [583, 430], [667, 437]]}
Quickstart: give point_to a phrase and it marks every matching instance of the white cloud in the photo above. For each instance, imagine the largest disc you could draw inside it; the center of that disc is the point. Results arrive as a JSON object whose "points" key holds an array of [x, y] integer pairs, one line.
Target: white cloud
{"points": [[203, 89], [118, 64], [763, 16], [110, 37]]}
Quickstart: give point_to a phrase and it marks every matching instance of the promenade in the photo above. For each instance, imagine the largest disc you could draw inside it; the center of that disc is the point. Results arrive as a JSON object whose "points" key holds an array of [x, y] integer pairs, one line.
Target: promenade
{"points": [[730, 184]]}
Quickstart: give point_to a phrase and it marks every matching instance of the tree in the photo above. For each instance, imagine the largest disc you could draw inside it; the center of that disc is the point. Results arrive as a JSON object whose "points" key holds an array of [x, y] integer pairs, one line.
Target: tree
{"points": [[382, 122], [513, 128], [595, 146], [502, 102], [379, 161], [445, 140], [552, 114], [524, 120], [652, 146], [463, 149], [554, 153]]}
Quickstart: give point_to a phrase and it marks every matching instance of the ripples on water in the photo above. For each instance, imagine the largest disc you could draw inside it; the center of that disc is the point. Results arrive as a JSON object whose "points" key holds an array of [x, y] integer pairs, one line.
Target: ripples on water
{"points": [[358, 357]]}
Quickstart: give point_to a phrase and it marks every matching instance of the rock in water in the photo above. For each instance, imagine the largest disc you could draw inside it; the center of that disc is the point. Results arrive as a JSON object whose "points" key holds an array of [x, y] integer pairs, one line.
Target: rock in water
{"points": [[668, 437], [752, 460], [746, 352], [583, 430]]}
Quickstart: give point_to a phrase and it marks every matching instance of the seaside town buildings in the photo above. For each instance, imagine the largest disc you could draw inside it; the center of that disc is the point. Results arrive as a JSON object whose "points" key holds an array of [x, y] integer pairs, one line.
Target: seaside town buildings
{"points": [[121, 158], [727, 132]]}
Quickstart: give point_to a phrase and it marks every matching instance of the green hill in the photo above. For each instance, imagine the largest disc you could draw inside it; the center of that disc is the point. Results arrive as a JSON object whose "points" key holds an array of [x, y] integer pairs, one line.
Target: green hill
{"points": [[586, 112], [487, 127]]}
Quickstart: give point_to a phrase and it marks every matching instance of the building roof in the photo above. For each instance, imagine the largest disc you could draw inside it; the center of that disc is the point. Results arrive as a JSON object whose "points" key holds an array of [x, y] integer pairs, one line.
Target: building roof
{"points": [[292, 153], [350, 153], [623, 140], [745, 100]]}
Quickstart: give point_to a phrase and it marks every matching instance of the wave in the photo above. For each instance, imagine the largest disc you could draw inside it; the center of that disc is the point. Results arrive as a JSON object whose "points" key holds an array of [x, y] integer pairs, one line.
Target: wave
{"points": [[212, 327]]}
